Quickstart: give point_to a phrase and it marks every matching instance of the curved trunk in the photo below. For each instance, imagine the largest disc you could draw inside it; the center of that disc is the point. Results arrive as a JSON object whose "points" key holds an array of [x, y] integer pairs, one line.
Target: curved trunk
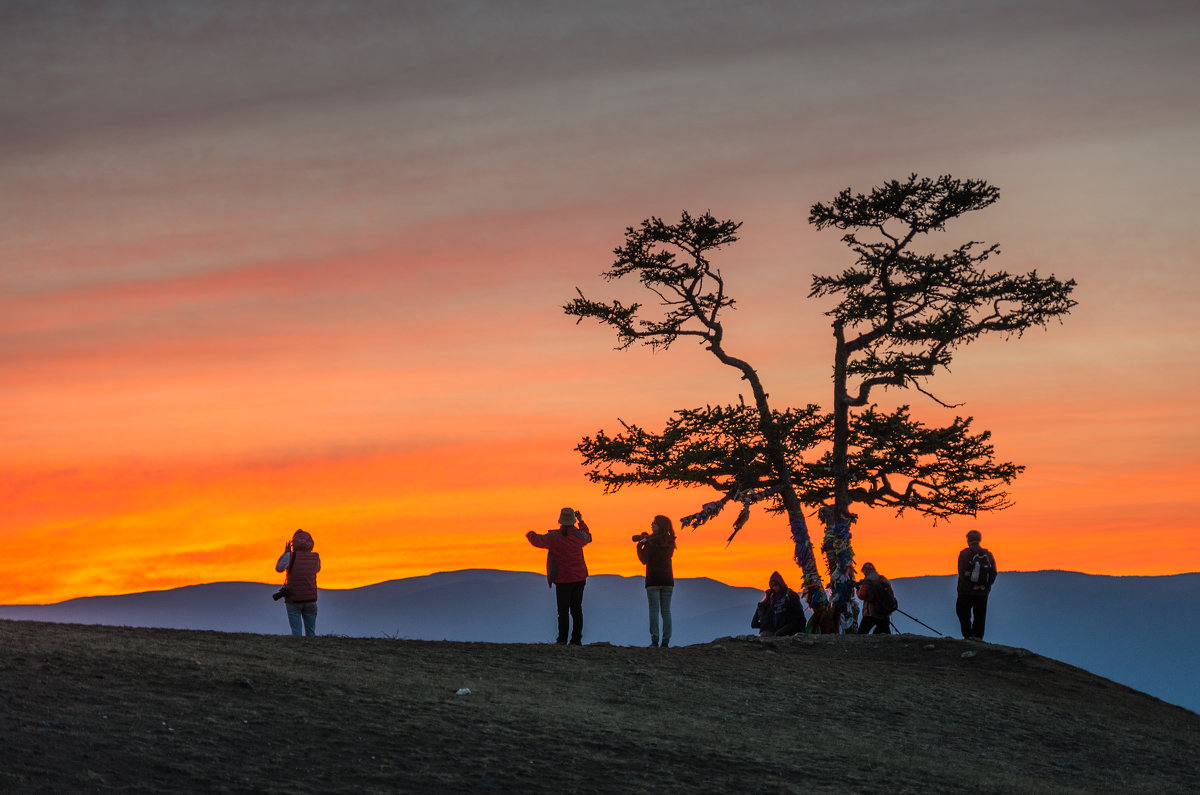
{"points": [[814, 589]]}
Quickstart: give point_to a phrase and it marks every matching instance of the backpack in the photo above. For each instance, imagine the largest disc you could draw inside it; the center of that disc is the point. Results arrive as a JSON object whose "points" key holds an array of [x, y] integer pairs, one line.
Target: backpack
{"points": [[884, 597], [982, 568]]}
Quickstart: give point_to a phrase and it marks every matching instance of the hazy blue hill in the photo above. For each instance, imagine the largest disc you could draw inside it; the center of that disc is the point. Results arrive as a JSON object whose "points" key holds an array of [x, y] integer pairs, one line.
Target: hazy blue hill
{"points": [[518, 607], [474, 604], [226, 606], [1134, 630], [1140, 631]]}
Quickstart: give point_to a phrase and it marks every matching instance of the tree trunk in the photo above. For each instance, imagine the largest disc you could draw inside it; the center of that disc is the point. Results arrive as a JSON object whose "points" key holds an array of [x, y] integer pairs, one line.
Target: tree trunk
{"points": [[841, 425], [839, 554], [814, 589]]}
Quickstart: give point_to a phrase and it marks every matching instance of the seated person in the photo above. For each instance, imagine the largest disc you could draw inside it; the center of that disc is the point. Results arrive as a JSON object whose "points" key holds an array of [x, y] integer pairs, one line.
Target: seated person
{"points": [[780, 612]]}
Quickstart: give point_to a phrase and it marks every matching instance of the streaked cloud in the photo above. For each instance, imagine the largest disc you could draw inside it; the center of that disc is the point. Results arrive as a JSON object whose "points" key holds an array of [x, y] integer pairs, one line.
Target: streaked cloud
{"points": [[265, 265]]}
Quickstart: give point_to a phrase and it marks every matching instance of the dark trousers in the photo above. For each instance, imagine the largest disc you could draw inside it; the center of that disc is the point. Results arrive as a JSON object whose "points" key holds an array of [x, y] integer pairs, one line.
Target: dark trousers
{"points": [[972, 613], [877, 623], [570, 608]]}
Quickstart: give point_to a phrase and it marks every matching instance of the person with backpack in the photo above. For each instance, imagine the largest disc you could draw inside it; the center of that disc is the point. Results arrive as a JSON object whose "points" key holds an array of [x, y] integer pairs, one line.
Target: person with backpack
{"points": [[976, 573], [879, 602], [299, 591], [566, 570], [780, 612], [655, 549]]}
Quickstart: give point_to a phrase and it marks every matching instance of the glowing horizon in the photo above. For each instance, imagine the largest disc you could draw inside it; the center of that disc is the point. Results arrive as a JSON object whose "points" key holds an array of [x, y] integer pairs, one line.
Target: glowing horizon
{"points": [[267, 268]]}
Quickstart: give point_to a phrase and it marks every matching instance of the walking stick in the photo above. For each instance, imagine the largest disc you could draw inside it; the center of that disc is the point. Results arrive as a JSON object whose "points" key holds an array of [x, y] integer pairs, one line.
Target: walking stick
{"points": [[919, 621]]}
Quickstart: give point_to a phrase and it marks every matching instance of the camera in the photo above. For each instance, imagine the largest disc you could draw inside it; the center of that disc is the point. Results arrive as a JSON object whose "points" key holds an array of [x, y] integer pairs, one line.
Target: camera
{"points": [[640, 537], [282, 592]]}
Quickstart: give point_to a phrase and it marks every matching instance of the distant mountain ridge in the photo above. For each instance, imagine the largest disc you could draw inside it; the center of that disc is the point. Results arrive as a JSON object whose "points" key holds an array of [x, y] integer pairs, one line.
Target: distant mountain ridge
{"points": [[467, 605], [1128, 629]]}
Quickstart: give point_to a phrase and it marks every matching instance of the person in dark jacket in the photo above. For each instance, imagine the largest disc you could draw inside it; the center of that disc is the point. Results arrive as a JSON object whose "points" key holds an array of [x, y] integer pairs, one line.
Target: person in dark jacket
{"points": [[566, 570], [655, 549], [300, 585], [876, 617], [976, 573], [780, 612]]}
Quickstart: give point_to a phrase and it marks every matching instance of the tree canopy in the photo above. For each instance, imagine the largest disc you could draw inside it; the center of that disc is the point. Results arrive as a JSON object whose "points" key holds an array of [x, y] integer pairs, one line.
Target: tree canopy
{"points": [[900, 316]]}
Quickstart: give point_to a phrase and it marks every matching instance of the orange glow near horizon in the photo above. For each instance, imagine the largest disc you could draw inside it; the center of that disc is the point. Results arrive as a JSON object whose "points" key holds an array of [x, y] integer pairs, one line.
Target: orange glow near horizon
{"points": [[398, 515], [308, 271], [179, 463]]}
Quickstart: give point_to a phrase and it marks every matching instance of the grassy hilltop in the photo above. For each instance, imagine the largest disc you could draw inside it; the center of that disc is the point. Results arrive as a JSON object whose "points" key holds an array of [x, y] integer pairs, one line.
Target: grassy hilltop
{"points": [[90, 708]]}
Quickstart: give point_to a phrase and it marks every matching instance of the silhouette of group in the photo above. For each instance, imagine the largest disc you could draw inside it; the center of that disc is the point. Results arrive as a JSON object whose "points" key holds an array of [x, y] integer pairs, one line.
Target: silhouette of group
{"points": [[780, 612]]}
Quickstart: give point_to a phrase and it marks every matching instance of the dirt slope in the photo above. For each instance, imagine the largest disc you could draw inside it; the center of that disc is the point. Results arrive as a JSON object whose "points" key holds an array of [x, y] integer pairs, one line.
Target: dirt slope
{"points": [[98, 708]]}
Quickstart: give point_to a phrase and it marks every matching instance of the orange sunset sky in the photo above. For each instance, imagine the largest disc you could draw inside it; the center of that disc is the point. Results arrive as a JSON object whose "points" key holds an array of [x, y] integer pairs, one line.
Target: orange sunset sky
{"points": [[270, 265]]}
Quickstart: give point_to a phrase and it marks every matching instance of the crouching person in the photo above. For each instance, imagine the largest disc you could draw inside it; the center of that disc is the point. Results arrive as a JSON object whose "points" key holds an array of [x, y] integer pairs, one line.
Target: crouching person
{"points": [[780, 612], [879, 602]]}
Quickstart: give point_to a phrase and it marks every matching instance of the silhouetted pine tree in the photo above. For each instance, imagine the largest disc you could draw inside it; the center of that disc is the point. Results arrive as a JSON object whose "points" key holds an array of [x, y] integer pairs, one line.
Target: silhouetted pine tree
{"points": [[900, 317]]}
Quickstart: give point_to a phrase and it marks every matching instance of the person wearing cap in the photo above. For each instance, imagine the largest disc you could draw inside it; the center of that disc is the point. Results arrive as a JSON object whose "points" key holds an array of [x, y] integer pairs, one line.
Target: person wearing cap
{"points": [[976, 573], [566, 570], [300, 584]]}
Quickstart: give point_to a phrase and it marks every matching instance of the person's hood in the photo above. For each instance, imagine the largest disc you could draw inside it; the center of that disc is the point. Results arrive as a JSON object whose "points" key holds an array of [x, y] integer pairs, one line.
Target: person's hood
{"points": [[302, 541], [776, 577]]}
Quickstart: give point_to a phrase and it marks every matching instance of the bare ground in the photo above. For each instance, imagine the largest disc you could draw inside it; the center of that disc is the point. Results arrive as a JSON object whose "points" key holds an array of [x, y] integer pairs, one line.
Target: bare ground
{"points": [[95, 709]]}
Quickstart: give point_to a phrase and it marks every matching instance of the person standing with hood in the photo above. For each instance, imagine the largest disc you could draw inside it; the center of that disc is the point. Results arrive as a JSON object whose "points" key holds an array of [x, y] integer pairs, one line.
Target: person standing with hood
{"points": [[300, 586], [566, 570], [976, 573], [655, 550], [877, 596]]}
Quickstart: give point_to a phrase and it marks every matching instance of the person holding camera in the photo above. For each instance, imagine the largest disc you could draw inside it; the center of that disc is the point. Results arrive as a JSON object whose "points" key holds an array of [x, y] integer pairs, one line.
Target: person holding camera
{"points": [[299, 591], [655, 549], [566, 570]]}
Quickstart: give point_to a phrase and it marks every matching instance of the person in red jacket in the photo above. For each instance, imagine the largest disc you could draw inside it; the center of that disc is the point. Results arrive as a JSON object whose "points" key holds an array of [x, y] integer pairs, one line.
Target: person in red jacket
{"points": [[876, 594], [300, 588], [566, 570]]}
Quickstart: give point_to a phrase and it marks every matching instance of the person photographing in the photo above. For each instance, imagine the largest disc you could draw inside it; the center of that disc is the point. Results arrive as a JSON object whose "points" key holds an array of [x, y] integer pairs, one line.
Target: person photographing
{"points": [[566, 570], [655, 549], [299, 591]]}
